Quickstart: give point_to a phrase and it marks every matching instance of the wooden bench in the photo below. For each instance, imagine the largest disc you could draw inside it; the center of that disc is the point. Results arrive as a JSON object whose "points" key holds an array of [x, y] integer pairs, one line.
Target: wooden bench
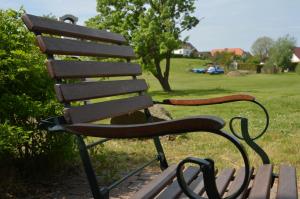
{"points": [[176, 181]]}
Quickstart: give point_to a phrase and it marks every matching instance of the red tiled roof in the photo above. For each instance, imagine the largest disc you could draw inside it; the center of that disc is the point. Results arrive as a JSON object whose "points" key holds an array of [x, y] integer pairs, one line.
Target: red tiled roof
{"points": [[297, 51], [236, 51]]}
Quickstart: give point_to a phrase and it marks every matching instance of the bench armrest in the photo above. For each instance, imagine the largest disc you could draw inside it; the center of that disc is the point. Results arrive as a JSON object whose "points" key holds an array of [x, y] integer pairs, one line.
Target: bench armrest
{"points": [[221, 100], [209, 101], [200, 123]]}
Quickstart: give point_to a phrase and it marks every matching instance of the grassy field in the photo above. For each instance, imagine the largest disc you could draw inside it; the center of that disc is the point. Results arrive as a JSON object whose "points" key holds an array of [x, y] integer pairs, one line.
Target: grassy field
{"points": [[279, 93]]}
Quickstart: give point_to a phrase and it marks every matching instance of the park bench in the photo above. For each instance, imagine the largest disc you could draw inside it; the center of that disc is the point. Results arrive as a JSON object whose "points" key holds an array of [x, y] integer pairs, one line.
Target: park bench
{"points": [[176, 181]]}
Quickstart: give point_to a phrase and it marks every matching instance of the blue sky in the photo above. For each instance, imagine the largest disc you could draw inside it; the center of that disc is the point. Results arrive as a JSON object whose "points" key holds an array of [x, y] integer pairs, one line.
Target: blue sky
{"points": [[226, 23]]}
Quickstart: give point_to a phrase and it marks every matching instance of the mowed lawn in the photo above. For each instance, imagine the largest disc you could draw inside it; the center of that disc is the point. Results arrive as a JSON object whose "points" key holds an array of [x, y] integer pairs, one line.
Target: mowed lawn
{"points": [[280, 93]]}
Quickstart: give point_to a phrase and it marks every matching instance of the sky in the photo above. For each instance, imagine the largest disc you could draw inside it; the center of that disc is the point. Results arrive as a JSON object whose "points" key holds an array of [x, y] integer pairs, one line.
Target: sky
{"points": [[225, 23]]}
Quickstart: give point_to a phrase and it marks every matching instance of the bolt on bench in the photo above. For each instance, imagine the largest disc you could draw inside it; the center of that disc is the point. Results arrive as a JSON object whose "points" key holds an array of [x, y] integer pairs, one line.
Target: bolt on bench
{"points": [[177, 181]]}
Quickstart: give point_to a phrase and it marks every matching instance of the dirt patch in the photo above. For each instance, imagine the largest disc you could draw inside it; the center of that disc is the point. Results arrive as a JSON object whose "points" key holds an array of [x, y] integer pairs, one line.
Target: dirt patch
{"points": [[238, 73], [234, 74]]}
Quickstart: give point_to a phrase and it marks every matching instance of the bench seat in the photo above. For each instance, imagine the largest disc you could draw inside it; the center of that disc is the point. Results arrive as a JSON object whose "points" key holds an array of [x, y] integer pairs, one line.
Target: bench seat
{"points": [[263, 184]]}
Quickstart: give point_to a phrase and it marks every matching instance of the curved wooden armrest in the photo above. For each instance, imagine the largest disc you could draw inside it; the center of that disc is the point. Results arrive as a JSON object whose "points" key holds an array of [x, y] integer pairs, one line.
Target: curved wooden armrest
{"points": [[210, 101], [200, 123]]}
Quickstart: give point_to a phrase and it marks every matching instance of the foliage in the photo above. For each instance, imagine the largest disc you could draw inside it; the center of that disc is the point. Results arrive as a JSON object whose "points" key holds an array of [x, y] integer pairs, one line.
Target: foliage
{"points": [[253, 60], [247, 66], [281, 52], [298, 69], [153, 27], [26, 94], [223, 58], [261, 48]]}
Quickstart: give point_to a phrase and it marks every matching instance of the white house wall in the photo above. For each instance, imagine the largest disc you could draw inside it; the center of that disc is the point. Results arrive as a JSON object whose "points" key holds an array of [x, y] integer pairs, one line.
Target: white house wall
{"points": [[183, 51], [295, 59]]}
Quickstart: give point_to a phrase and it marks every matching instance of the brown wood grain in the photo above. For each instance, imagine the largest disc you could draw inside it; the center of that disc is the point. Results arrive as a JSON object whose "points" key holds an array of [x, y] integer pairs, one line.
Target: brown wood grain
{"points": [[155, 186], [190, 124], [222, 181], [91, 90], [44, 25], [82, 69], [58, 46], [216, 100], [174, 190], [287, 185], [237, 182], [262, 183], [108, 109]]}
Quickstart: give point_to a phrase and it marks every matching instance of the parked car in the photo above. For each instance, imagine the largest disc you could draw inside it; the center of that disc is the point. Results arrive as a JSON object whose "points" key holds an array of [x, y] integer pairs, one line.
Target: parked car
{"points": [[198, 70], [215, 70]]}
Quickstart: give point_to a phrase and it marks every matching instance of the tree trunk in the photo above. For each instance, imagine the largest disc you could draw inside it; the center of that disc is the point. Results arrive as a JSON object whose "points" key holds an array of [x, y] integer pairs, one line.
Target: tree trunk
{"points": [[163, 79], [165, 84]]}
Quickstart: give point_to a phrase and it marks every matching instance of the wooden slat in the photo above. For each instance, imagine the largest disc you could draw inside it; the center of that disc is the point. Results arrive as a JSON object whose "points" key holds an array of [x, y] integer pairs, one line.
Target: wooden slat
{"points": [[49, 26], [287, 185], [103, 110], [59, 46], [223, 180], [147, 130], [91, 90], [197, 186], [237, 182], [216, 100], [158, 184], [81, 69], [174, 189], [262, 183]]}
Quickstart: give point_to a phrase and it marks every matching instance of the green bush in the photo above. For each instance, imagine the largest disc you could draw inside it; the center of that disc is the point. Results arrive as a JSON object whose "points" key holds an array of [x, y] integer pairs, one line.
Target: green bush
{"points": [[247, 66], [26, 94], [298, 69]]}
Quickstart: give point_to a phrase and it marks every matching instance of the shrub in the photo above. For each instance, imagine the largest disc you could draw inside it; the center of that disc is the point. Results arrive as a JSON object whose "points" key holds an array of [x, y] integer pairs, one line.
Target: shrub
{"points": [[247, 66], [26, 94], [298, 69], [268, 69]]}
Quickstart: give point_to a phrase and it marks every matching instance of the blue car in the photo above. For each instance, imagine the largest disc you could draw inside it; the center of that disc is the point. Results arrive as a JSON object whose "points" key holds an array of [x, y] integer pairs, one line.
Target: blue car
{"points": [[198, 70], [215, 70]]}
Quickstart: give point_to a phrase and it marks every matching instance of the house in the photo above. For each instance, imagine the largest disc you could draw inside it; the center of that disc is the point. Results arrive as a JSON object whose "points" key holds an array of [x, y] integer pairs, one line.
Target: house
{"points": [[235, 51], [204, 54], [296, 55], [187, 49]]}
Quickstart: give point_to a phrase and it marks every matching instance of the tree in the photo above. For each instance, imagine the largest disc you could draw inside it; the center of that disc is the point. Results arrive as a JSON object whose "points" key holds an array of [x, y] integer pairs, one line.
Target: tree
{"points": [[282, 52], [152, 27], [261, 48], [224, 58]]}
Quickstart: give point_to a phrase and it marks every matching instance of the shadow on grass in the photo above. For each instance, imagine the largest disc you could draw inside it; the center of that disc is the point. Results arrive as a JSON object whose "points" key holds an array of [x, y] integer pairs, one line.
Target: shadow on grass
{"points": [[111, 165]]}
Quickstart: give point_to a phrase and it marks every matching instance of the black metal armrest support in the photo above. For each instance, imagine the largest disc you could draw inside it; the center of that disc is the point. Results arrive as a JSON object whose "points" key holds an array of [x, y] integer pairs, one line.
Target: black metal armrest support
{"points": [[207, 167], [250, 141], [222, 100], [53, 124], [239, 118]]}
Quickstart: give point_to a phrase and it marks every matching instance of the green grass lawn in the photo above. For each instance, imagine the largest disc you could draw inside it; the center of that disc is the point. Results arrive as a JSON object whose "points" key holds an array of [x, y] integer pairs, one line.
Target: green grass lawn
{"points": [[279, 93]]}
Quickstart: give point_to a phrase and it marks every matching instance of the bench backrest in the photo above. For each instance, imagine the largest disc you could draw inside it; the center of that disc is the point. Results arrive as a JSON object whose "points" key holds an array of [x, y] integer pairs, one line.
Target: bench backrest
{"points": [[59, 38]]}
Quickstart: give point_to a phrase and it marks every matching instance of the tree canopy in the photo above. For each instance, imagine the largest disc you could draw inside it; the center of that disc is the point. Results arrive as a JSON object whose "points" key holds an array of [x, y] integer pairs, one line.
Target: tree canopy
{"points": [[152, 27], [281, 52], [261, 47]]}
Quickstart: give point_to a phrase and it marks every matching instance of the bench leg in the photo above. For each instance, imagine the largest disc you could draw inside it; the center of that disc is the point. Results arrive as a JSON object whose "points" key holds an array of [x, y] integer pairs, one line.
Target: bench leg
{"points": [[160, 151], [161, 154], [97, 193]]}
